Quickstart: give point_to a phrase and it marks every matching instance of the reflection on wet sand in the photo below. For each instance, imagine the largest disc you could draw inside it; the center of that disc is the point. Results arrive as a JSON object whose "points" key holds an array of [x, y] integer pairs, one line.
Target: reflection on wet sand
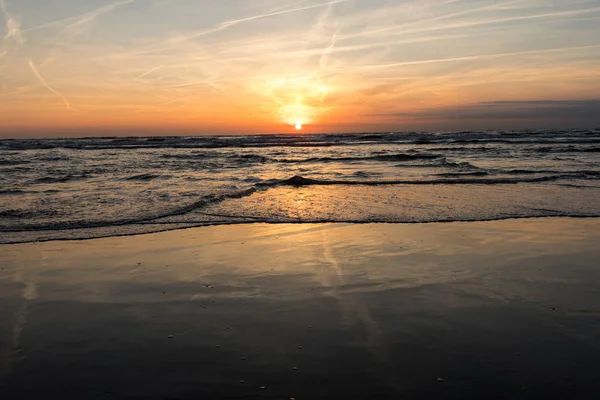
{"points": [[493, 309], [9, 352], [355, 312]]}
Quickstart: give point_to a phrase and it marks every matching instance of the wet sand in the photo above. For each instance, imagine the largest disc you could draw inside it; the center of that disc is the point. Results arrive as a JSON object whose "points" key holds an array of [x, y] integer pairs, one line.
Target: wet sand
{"points": [[495, 310]]}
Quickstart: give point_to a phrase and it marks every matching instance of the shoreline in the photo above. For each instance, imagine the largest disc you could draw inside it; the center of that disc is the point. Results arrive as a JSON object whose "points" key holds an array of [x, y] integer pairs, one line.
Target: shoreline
{"points": [[246, 223]]}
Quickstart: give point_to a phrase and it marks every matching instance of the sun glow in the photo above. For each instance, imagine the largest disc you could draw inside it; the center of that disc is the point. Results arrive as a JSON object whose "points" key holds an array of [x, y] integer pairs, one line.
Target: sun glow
{"points": [[299, 101]]}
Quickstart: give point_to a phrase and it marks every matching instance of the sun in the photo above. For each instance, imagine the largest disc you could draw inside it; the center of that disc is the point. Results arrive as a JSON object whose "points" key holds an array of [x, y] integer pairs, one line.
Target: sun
{"points": [[298, 125]]}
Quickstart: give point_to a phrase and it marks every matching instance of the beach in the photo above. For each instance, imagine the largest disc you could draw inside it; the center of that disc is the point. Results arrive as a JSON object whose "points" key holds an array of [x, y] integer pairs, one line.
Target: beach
{"points": [[299, 200], [496, 310]]}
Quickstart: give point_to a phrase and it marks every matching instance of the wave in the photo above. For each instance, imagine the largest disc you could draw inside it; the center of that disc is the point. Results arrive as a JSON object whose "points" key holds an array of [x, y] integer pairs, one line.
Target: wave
{"points": [[463, 149], [386, 157], [499, 171], [188, 156], [200, 209], [151, 228], [260, 159], [578, 173], [53, 158], [252, 158], [17, 214], [247, 159], [572, 185], [212, 199], [203, 202], [145, 177], [520, 141], [240, 166], [9, 163], [61, 179], [194, 155], [298, 181], [8, 192], [444, 162], [527, 172], [365, 174], [12, 170], [208, 200], [461, 174], [307, 140], [473, 177], [568, 149]]}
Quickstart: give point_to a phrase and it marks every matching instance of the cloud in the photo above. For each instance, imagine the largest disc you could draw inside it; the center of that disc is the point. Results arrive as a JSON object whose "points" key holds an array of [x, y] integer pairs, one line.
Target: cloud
{"points": [[230, 23], [151, 70], [12, 28], [472, 57], [588, 110], [92, 15], [50, 88]]}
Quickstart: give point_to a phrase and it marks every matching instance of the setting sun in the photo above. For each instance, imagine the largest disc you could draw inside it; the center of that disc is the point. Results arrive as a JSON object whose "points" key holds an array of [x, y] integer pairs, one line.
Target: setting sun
{"points": [[298, 125]]}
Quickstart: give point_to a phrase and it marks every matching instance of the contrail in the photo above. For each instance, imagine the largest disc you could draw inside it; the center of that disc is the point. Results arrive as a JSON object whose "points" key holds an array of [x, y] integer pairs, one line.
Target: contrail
{"points": [[50, 88], [92, 15], [322, 24], [227, 24], [328, 50], [430, 20], [148, 72], [468, 58], [83, 18], [207, 82], [471, 24]]}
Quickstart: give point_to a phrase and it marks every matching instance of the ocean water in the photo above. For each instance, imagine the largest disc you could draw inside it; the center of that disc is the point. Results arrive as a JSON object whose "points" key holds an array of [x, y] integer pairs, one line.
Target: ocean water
{"points": [[98, 187]]}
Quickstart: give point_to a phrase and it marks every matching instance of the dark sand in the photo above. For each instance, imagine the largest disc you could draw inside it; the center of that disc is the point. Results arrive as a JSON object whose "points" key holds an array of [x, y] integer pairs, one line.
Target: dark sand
{"points": [[491, 310]]}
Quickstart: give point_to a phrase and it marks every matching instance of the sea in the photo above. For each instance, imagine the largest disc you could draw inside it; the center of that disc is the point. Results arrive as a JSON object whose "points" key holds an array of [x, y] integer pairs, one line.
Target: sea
{"points": [[57, 189]]}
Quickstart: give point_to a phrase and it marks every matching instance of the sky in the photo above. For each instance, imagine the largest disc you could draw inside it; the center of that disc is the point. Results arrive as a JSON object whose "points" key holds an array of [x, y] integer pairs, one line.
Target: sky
{"points": [[192, 67]]}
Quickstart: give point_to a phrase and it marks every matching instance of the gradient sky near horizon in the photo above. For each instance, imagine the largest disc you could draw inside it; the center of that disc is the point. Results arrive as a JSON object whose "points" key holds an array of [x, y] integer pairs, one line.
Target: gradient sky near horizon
{"points": [[85, 67]]}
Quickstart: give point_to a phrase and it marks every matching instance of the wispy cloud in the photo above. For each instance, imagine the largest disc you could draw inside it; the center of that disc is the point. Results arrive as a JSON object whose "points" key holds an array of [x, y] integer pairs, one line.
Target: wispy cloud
{"points": [[151, 70], [47, 86], [473, 57], [92, 15], [12, 29], [233, 22], [82, 19], [75, 26]]}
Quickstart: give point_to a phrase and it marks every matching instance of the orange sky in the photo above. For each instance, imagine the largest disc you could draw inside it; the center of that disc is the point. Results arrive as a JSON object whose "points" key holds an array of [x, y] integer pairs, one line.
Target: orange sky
{"points": [[90, 67]]}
